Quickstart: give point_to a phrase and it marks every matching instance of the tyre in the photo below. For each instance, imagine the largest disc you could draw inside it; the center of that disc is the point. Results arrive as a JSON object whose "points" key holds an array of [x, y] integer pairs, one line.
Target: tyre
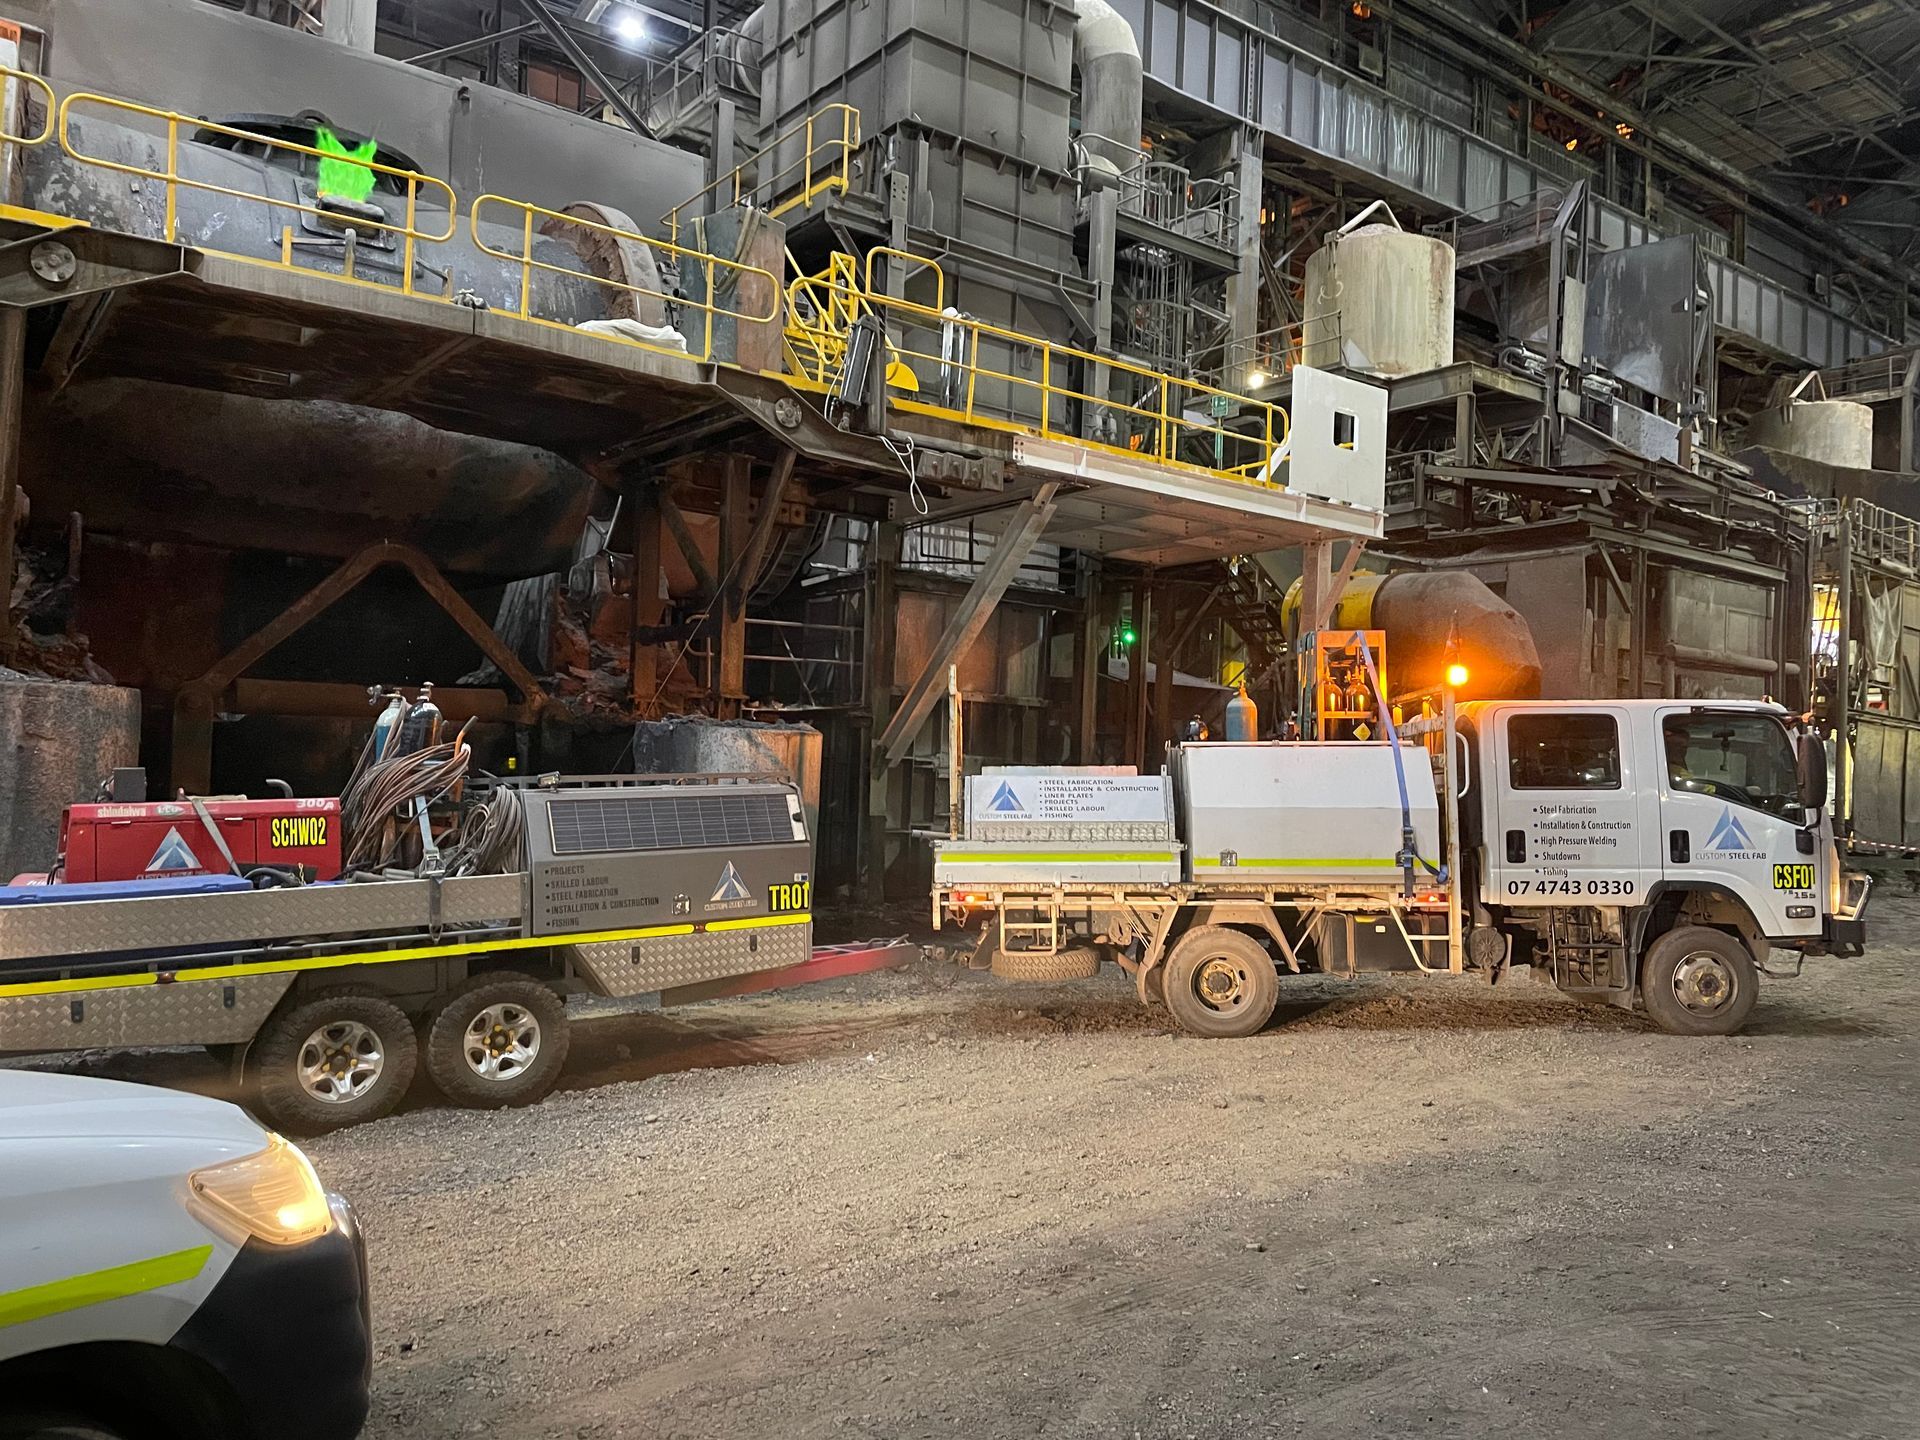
{"points": [[1698, 981], [1220, 983], [1082, 962], [336, 1058], [501, 1041]]}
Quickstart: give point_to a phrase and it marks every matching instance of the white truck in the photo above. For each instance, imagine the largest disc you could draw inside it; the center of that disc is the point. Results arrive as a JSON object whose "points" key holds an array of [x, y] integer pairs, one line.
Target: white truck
{"points": [[170, 1270], [1653, 854]]}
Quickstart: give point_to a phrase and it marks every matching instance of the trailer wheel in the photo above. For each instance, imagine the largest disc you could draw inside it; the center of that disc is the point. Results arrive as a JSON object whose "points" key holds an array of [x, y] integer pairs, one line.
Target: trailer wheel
{"points": [[1220, 983], [1698, 981], [336, 1058], [1082, 962], [501, 1041]]}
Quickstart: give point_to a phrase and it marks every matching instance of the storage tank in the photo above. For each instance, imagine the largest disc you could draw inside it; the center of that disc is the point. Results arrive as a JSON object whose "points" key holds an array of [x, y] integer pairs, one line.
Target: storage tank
{"points": [[1379, 300], [1431, 619], [1836, 432], [1305, 811]]}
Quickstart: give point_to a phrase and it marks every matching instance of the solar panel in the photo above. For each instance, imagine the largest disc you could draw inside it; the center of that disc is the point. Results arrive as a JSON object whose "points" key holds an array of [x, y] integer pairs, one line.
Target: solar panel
{"points": [[595, 824]]}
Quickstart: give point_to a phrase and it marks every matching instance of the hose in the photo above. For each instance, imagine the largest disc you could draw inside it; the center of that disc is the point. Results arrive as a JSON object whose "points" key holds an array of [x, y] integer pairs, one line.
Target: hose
{"points": [[378, 807], [1409, 851], [492, 835]]}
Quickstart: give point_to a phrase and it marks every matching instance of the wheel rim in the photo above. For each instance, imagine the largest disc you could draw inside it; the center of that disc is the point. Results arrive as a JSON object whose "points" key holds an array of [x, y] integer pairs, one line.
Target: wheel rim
{"points": [[341, 1061], [1223, 984], [502, 1041], [1703, 983]]}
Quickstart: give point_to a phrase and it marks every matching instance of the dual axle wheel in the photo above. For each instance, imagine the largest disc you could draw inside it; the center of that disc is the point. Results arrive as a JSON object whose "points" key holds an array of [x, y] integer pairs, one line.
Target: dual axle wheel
{"points": [[343, 1056]]}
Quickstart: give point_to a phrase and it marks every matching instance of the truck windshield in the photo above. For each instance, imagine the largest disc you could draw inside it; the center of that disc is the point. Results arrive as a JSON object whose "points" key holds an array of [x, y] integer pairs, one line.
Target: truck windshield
{"points": [[1742, 757]]}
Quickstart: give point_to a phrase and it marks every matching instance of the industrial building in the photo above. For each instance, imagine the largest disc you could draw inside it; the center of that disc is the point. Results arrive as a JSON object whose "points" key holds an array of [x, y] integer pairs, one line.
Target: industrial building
{"points": [[680, 383]]}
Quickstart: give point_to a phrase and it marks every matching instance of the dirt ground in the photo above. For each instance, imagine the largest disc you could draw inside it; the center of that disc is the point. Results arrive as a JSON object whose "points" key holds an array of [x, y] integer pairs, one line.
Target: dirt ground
{"points": [[929, 1204]]}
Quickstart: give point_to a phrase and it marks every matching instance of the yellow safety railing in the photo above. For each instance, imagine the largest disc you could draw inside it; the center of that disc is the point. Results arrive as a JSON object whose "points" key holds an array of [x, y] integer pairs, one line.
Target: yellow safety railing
{"points": [[413, 182], [720, 276], [1168, 419], [828, 140], [33, 82]]}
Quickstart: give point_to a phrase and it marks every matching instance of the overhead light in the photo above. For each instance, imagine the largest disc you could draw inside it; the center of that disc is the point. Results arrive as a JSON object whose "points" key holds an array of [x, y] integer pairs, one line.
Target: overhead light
{"points": [[1256, 378], [629, 24]]}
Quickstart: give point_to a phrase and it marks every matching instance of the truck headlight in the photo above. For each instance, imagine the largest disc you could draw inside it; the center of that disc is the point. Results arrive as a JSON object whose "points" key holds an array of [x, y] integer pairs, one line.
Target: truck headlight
{"points": [[272, 1194]]}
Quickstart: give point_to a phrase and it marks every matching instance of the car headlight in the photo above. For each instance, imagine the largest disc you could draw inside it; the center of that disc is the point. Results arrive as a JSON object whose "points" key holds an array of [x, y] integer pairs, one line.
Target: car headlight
{"points": [[272, 1194]]}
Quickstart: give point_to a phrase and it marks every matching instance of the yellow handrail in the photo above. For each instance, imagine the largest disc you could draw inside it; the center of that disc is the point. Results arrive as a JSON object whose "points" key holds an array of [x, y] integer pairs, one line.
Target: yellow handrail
{"points": [[171, 177], [918, 262], [7, 137], [836, 168], [1161, 418], [719, 273]]}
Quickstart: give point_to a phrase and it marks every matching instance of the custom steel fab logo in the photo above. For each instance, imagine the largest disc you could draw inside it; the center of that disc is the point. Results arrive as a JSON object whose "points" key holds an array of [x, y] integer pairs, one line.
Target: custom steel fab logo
{"points": [[173, 856], [1005, 802], [731, 893], [1730, 841]]}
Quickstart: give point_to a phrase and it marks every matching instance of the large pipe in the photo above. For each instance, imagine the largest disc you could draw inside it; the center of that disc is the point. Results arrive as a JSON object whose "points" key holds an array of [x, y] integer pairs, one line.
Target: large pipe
{"points": [[1112, 88], [1431, 619]]}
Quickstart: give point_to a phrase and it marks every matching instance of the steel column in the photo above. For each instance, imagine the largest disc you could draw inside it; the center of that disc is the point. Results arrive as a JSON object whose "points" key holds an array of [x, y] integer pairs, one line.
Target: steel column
{"points": [[1010, 552], [13, 360]]}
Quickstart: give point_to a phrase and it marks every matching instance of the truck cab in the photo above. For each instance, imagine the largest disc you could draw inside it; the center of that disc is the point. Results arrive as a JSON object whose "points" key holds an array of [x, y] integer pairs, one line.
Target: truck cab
{"points": [[1593, 831]]}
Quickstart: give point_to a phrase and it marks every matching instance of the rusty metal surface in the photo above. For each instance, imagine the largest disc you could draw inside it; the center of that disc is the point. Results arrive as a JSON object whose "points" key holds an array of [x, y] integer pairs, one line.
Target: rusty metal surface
{"points": [[164, 462]]}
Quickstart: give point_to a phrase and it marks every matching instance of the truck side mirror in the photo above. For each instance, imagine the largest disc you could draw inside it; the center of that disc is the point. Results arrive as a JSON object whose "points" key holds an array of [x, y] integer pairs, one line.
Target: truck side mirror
{"points": [[1812, 757]]}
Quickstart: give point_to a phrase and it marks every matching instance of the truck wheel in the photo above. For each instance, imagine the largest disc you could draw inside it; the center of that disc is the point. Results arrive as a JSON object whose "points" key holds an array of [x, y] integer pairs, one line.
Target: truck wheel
{"points": [[1082, 962], [337, 1058], [1220, 983], [1698, 981], [501, 1041]]}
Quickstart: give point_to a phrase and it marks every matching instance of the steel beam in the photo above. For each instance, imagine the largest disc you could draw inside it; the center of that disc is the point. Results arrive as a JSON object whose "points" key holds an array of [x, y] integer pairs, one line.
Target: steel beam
{"points": [[194, 705], [584, 63], [1010, 552]]}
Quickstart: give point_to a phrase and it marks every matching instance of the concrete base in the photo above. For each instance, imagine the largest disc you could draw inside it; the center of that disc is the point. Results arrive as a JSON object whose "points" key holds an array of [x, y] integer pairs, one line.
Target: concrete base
{"points": [[58, 741]]}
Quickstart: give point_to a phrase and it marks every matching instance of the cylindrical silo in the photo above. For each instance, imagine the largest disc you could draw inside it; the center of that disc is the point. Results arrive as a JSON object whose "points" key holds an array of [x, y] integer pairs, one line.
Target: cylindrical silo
{"points": [[1379, 300]]}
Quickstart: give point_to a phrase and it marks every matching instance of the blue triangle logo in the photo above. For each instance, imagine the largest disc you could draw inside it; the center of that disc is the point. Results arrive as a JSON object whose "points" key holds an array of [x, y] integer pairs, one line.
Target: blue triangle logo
{"points": [[174, 854], [731, 887], [1005, 802], [1729, 834]]}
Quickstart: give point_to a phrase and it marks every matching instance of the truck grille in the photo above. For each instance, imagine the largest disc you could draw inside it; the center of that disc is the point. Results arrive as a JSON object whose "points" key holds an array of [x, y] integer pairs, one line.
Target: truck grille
{"points": [[593, 824]]}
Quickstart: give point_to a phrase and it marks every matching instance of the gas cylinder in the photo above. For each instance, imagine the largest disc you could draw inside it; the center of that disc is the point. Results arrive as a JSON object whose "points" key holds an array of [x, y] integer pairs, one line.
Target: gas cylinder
{"points": [[387, 725], [421, 727], [1243, 716]]}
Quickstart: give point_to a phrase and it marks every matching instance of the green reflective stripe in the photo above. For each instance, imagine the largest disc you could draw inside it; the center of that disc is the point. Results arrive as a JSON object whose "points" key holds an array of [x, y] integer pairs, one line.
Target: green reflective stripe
{"points": [[36, 1302], [1058, 857], [1306, 863]]}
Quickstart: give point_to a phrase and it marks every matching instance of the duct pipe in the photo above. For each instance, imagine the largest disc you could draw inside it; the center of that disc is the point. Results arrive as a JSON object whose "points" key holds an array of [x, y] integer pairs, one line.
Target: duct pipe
{"points": [[1111, 84], [350, 23]]}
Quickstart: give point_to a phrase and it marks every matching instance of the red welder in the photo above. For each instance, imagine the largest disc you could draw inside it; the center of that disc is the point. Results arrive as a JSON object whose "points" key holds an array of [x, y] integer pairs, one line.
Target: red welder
{"points": [[166, 838]]}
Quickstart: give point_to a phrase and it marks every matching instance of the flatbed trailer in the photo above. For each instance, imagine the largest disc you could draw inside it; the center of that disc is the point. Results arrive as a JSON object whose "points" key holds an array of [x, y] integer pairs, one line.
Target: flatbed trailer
{"points": [[327, 998]]}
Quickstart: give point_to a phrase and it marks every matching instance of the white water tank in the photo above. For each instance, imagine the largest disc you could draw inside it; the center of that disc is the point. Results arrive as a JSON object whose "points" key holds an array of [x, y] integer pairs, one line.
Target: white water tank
{"points": [[1380, 301], [1836, 432]]}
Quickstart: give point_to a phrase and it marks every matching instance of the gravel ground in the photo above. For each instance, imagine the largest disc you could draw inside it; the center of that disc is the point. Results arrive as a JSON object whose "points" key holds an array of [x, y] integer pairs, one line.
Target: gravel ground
{"points": [[927, 1203], [930, 1204]]}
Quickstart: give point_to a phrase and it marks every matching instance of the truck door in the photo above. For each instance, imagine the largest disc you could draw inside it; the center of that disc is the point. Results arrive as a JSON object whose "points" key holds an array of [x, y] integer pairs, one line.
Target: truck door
{"points": [[1570, 824], [1730, 814]]}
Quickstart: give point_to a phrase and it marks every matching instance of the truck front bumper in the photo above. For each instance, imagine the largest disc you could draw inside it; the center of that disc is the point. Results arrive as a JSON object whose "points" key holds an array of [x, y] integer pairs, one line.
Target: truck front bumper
{"points": [[288, 1328]]}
